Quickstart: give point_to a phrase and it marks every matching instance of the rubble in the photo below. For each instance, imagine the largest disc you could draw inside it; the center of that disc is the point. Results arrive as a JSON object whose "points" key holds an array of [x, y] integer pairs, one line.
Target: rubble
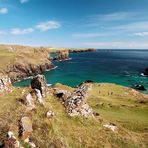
{"points": [[76, 102]]}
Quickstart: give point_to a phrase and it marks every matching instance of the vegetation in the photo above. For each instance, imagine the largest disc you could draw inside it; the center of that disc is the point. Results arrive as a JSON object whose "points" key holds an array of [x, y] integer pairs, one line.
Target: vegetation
{"points": [[115, 104]]}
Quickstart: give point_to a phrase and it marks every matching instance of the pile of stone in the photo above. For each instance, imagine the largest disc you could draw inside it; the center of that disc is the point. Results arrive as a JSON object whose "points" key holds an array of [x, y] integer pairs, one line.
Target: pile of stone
{"points": [[5, 84], [76, 102]]}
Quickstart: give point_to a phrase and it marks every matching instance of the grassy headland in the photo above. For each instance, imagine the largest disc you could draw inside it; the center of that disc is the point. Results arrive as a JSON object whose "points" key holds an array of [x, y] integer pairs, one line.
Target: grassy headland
{"points": [[122, 106], [127, 112]]}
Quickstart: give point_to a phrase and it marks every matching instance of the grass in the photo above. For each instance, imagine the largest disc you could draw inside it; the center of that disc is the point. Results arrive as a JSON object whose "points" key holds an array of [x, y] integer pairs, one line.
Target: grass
{"points": [[120, 108]]}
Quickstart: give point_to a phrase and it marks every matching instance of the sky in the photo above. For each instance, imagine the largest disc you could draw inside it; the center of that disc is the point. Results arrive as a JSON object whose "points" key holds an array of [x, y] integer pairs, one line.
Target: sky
{"points": [[102, 24]]}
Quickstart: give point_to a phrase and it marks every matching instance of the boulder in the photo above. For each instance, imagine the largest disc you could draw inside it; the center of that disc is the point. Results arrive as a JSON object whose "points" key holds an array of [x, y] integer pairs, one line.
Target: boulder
{"points": [[11, 141], [5, 84], [39, 83], [25, 128], [139, 87], [146, 72]]}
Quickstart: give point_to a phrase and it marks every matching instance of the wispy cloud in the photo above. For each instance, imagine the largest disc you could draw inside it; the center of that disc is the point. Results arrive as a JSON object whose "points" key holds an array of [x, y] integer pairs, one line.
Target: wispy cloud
{"points": [[24, 1], [18, 31], [3, 10], [44, 26], [136, 26], [142, 34], [117, 45], [112, 16], [90, 35]]}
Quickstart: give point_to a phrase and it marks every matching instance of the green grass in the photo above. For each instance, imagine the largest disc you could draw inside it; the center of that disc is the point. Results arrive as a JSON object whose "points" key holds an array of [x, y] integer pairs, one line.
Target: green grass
{"points": [[75, 132]]}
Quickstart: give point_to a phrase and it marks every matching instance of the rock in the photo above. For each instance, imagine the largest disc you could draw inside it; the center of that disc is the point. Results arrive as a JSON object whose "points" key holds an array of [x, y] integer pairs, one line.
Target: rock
{"points": [[31, 144], [39, 83], [25, 128], [111, 126], [28, 101], [5, 84], [62, 55], [139, 87], [11, 141], [76, 104], [50, 114], [63, 95], [39, 96], [146, 72]]}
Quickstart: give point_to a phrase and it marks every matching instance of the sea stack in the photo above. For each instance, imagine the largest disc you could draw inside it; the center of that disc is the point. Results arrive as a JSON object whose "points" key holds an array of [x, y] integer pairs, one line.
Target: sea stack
{"points": [[146, 72]]}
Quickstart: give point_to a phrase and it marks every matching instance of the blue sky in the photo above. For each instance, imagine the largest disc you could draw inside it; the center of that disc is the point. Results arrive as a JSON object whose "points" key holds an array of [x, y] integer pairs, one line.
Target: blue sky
{"points": [[75, 23]]}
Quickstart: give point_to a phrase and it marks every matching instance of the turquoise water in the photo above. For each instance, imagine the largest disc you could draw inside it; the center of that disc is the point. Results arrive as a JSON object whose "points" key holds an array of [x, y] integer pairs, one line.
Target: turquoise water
{"points": [[114, 66]]}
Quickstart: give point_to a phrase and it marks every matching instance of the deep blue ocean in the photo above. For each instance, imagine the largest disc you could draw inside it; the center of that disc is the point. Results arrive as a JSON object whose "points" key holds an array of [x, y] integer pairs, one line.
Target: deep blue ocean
{"points": [[122, 67]]}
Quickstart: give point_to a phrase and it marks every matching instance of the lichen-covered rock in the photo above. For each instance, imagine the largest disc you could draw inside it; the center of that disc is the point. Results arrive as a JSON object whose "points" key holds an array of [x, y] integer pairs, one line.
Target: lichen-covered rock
{"points": [[25, 127], [39, 83], [28, 101], [5, 84], [76, 102], [11, 141]]}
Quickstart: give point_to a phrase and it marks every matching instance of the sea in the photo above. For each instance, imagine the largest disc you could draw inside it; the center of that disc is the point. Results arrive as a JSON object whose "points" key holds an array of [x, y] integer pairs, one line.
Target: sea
{"points": [[123, 67]]}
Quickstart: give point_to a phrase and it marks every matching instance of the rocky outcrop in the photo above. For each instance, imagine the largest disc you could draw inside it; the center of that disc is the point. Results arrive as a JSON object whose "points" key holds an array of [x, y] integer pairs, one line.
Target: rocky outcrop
{"points": [[82, 50], [25, 128], [37, 94], [38, 83], [62, 55], [146, 72], [76, 102], [139, 87], [20, 71], [11, 141], [5, 84]]}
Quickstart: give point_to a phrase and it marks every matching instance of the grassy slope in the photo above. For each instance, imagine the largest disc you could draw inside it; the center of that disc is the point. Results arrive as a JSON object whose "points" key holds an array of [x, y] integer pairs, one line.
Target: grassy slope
{"points": [[11, 54], [120, 108]]}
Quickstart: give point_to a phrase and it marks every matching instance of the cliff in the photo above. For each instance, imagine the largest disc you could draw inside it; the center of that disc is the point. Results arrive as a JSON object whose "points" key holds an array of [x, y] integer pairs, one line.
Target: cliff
{"points": [[19, 62]]}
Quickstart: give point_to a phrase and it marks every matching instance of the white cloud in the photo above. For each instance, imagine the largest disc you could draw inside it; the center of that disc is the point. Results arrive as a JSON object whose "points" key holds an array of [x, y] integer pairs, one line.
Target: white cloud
{"points": [[3, 10], [117, 45], [23, 1], [142, 34], [18, 31], [44, 26]]}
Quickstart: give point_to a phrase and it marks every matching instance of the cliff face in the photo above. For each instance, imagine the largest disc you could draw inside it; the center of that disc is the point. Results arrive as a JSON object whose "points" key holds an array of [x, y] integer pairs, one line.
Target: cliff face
{"points": [[19, 62], [20, 71]]}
